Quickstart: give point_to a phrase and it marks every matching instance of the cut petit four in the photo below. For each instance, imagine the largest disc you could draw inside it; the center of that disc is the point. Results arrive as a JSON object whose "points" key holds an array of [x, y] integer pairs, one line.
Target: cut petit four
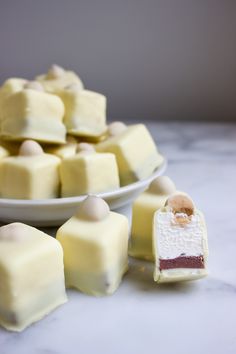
{"points": [[30, 175], [32, 275], [33, 114], [135, 151], [85, 111], [95, 243], [66, 150], [179, 241], [143, 211], [88, 172], [58, 78]]}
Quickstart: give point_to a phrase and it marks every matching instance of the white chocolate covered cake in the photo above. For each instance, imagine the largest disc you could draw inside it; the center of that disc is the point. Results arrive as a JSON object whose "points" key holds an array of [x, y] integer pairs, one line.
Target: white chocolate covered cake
{"points": [[32, 113], [10, 86], [56, 111], [32, 275], [57, 78], [88, 172], [30, 175], [95, 244], [179, 241], [85, 111], [136, 153], [66, 150], [143, 211]]}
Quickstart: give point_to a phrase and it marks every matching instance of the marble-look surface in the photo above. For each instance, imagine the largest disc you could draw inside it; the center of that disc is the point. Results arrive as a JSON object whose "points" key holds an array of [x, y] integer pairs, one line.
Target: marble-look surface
{"points": [[142, 317]]}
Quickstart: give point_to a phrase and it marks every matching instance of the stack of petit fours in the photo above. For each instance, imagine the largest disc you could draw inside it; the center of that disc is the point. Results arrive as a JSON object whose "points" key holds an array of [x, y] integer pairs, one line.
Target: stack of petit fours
{"points": [[55, 128], [90, 251]]}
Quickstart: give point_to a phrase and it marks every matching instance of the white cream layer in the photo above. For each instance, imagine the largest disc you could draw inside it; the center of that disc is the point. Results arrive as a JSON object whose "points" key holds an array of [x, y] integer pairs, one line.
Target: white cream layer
{"points": [[174, 240]]}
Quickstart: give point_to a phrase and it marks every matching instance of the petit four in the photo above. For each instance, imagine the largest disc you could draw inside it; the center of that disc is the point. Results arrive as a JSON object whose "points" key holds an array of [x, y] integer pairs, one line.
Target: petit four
{"points": [[10, 86], [30, 175], [179, 241], [88, 172], [32, 275], [58, 78], [85, 111], [33, 114], [95, 243], [143, 211], [66, 150], [135, 151]]}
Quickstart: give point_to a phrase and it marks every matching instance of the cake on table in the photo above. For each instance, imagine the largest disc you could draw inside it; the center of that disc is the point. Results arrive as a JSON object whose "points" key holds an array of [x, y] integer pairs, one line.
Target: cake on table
{"points": [[32, 275], [179, 241], [95, 244]]}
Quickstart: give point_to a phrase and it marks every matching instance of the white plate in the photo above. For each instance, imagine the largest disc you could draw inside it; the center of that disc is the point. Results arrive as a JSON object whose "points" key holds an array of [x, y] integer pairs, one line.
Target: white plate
{"points": [[54, 212]]}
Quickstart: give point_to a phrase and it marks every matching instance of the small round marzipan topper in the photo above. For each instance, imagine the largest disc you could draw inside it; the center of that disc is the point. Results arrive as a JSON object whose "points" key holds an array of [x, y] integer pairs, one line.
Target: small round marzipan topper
{"points": [[55, 72], [116, 128], [30, 148], [162, 185], [13, 233], [33, 85], [73, 87], [85, 148], [180, 203], [93, 209]]}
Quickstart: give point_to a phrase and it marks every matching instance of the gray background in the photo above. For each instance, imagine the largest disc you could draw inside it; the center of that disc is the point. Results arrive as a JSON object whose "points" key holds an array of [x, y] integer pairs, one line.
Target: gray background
{"points": [[153, 59]]}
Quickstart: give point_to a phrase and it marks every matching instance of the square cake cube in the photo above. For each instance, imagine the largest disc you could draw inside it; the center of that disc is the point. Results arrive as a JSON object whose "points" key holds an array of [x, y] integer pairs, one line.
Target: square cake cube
{"points": [[144, 208], [95, 244], [10, 86], [88, 172], [66, 150], [32, 275], [30, 175], [33, 114], [135, 151], [57, 78], [85, 111]]}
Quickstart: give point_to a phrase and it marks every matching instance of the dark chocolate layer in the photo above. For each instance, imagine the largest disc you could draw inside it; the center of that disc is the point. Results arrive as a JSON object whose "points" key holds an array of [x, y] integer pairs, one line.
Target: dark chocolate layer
{"points": [[182, 262]]}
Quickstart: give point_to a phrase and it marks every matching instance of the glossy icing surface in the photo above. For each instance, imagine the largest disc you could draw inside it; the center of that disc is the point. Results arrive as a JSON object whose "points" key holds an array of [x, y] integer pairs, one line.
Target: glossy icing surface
{"points": [[95, 251], [88, 172], [32, 278], [135, 152], [21, 176], [26, 115], [85, 112]]}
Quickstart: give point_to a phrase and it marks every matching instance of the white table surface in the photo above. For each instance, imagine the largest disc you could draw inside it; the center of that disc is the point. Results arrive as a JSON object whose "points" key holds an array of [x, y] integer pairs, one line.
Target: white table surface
{"points": [[143, 317]]}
